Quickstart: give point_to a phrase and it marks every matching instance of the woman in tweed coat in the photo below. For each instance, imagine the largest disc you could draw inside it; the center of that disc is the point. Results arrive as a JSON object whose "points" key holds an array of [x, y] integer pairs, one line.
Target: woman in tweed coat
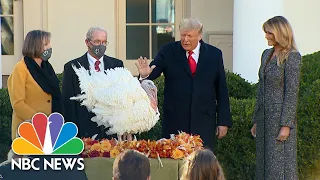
{"points": [[275, 111]]}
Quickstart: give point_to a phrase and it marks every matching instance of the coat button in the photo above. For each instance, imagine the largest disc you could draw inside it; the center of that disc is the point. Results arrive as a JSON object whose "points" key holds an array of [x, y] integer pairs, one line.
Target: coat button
{"points": [[48, 101]]}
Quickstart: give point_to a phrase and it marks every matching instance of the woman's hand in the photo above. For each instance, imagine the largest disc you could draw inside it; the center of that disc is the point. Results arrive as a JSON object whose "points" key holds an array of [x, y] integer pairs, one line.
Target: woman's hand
{"points": [[253, 129], [283, 133]]}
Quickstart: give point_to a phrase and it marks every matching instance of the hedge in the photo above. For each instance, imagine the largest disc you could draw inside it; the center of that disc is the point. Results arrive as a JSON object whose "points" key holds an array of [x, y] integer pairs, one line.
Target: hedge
{"points": [[309, 118], [236, 151], [308, 132], [239, 88], [5, 123]]}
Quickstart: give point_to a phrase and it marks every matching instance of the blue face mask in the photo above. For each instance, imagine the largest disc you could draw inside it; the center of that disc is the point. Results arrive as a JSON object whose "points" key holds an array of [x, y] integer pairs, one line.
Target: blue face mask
{"points": [[46, 54]]}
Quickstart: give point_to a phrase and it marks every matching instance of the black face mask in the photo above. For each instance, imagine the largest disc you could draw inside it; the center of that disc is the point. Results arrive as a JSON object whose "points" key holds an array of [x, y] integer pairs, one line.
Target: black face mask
{"points": [[98, 50], [46, 54]]}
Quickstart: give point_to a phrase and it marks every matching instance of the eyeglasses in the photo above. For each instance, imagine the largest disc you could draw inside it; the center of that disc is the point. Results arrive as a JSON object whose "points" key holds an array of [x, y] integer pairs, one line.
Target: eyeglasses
{"points": [[98, 42]]}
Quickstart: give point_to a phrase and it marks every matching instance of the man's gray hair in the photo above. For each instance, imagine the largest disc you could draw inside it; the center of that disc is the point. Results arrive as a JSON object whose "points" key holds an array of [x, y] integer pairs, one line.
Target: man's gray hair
{"points": [[191, 24], [93, 29]]}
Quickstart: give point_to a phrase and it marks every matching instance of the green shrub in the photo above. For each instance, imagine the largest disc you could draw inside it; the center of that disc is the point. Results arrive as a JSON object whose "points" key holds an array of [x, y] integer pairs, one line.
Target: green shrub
{"points": [[5, 106], [310, 72], [5, 136], [5, 124], [308, 132], [309, 117], [60, 76], [236, 151], [239, 88]]}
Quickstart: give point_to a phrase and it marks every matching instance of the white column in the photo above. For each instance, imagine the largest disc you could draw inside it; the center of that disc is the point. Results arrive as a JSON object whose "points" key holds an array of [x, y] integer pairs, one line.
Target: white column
{"points": [[248, 36], [0, 58]]}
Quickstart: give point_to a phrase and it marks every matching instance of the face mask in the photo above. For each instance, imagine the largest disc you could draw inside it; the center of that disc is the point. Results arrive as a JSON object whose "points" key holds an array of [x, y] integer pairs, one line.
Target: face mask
{"points": [[46, 54], [99, 50]]}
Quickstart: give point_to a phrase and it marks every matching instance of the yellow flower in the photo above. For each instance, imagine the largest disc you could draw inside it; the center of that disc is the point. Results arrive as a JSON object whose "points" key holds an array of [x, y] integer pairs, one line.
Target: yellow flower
{"points": [[188, 148], [95, 147], [114, 153], [87, 146], [177, 154], [105, 145]]}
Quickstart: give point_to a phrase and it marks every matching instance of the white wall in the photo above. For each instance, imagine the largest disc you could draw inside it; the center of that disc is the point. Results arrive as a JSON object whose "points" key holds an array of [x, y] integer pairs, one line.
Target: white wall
{"points": [[216, 15], [69, 21], [217, 19], [304, 18], [248, 36]]}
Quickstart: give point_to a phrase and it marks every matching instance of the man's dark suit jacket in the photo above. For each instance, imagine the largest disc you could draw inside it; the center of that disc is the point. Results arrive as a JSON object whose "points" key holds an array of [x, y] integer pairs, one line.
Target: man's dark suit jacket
{"points": [[196, 104], [74, 112]]}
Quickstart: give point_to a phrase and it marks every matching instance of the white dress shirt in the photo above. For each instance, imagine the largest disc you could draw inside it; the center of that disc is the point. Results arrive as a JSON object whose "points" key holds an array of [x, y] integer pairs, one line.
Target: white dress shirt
{"points": [[92, 60], [195, 54]]}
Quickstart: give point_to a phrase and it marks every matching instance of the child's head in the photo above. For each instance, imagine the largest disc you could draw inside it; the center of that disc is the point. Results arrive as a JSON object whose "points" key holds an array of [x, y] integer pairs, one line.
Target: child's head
{"points": [[202, 165], [131, 164]]}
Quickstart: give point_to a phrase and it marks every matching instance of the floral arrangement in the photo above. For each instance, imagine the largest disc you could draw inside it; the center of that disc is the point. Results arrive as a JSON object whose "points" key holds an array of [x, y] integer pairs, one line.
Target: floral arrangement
{"points": [[178, 147]]}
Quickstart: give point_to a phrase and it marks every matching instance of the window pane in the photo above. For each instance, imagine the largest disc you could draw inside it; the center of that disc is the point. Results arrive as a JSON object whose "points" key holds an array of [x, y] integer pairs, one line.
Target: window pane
{"points": [[161, 35], [137, 11], [6, 7], [7, 36], [162, 11], [137, 42]]}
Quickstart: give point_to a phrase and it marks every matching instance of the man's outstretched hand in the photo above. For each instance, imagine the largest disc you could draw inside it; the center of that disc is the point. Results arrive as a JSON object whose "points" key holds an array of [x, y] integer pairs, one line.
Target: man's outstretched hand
{"points": [[143, 67]]}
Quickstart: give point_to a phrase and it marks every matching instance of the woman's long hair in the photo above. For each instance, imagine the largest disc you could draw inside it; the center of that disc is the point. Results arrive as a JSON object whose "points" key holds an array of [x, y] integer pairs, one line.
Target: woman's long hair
{"points": [[280, 27], [202, 165]]}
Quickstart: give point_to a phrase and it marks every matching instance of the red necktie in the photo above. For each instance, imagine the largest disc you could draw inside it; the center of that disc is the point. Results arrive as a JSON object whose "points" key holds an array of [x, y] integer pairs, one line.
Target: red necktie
{"points": [[192, 63], [96, 65]]}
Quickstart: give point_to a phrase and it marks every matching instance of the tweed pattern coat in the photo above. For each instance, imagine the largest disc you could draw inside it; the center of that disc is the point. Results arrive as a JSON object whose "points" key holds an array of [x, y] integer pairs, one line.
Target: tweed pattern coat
{"points": [[276, 106]]}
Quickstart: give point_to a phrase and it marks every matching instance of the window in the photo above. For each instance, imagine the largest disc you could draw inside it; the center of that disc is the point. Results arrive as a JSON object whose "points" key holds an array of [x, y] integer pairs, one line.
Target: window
{"points": [[149, 24], [6, 21]]}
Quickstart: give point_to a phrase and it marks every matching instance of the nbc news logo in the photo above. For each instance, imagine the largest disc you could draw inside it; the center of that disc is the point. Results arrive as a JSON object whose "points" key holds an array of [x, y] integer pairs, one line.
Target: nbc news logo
{"points": [[47, 136]]}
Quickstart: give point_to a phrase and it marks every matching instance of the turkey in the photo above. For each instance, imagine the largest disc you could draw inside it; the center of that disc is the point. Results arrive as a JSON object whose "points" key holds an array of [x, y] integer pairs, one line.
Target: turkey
{"points": [[119, 101]]}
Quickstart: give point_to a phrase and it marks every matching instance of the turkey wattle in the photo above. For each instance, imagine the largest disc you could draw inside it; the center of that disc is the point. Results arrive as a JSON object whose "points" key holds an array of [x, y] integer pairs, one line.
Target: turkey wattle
{"points": [[152, 92], [118, 100]]}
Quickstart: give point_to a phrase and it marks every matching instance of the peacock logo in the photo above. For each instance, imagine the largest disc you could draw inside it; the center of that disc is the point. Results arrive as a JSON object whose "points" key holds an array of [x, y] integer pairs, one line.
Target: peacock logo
{"points": [[47, 135]]}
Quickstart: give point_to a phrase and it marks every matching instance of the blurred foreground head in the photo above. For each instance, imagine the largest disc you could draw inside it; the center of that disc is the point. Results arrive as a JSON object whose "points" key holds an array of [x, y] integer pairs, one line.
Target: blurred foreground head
{"points": [[131, 164], [202, 165]]}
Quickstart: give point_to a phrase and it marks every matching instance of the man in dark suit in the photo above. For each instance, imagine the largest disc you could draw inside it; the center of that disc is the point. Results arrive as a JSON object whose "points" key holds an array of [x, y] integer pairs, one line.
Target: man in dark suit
{"points": [[195, 94], [96, 41]]}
